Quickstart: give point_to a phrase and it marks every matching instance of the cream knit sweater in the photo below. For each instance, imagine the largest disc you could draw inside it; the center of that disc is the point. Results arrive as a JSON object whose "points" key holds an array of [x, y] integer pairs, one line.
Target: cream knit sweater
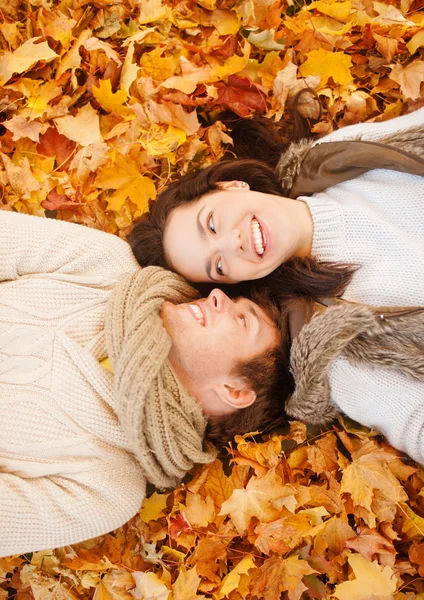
{"points": [[377, 221], [66, 473]]}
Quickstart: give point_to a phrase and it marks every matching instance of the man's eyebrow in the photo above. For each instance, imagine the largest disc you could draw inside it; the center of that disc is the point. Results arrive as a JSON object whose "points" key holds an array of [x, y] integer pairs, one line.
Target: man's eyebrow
{"points": [[200, 227], [257, 316]]}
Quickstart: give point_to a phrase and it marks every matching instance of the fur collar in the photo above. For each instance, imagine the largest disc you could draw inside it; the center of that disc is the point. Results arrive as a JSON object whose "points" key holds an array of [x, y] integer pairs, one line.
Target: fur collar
{"points": [[358, 333], [307, 167]]}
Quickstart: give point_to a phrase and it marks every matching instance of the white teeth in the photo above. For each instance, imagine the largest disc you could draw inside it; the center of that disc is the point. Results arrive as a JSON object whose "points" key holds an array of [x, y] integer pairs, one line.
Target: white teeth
{"points": [[197, 313], [259, 238]]}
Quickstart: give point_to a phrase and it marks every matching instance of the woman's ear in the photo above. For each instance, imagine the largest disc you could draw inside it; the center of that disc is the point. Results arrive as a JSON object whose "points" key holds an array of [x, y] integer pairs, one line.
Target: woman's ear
{"points": [[233, 185]]}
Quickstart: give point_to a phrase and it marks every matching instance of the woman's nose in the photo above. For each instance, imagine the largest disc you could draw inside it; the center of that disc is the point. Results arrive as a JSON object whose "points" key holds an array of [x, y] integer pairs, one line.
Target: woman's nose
{"points": [[218, 300], [233, 242]]}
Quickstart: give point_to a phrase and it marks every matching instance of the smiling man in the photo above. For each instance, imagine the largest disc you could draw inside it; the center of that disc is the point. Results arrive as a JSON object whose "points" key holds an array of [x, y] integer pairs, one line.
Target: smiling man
{"points": [[78, 442]]}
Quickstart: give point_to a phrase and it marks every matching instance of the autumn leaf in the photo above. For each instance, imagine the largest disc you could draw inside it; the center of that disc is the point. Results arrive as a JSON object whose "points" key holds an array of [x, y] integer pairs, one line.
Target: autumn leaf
{"points": [[240, 95], [232, 579], [83, 127], [124, 177], [25, 57], [371, 582], [328, 64], [278, 575], [153, 507], [110, 101], [149, 587], [185, 587], [409, 78]]}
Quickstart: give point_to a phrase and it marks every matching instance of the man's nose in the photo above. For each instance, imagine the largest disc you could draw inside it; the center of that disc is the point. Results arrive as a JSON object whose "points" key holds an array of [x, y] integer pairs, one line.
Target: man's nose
{"points": [[218, 300]]}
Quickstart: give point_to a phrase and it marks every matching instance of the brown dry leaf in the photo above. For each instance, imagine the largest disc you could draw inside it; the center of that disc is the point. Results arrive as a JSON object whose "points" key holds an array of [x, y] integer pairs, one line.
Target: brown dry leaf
{"points": [[21, 127], [257, 500], [368, 472], [25, 57], [370, 543], [83, 128], [386, 46], [409, 78], [266, 454], [186, 586], [20, 177], [278, 575]]}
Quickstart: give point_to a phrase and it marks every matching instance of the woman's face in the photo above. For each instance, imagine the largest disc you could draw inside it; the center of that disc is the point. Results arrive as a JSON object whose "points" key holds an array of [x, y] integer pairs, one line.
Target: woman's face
{"points": [[230, 235]]}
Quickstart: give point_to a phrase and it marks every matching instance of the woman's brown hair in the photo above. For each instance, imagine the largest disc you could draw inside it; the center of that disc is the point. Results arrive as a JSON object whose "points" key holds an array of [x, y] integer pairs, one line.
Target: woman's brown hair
{"points": [[305, 277]]}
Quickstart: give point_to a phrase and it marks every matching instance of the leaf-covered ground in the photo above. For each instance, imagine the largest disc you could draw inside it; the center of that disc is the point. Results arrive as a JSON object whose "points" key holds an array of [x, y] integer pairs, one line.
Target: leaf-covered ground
{"points": [[102, 104]]}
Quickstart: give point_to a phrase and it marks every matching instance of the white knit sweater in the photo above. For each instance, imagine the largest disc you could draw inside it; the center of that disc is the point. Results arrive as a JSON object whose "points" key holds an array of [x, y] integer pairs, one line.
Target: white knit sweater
{"points": [[66, 473], [377, 221]]}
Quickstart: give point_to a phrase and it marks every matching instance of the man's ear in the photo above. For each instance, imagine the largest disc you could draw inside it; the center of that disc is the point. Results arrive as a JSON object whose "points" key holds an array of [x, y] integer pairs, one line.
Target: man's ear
{"points": [[233, 185], [238, 394]]}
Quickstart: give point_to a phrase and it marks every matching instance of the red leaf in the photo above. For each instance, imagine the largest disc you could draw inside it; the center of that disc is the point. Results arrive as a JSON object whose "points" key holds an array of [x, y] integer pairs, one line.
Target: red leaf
{"points": [[52, 143], [241, 96], [179, 524], [56, 201]]}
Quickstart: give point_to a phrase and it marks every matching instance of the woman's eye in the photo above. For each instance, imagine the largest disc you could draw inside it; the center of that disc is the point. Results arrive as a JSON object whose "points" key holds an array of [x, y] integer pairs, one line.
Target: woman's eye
{"points": [[211, 225], [219, 268]]}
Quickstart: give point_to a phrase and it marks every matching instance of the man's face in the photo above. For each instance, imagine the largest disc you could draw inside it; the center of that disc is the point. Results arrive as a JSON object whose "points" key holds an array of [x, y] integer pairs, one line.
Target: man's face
{"points": [[210, 337]]}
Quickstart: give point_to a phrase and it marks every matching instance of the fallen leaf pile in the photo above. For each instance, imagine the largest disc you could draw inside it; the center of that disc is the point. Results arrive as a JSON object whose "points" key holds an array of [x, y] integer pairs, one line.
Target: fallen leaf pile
{"points": [[103, 103], [335, 516]]}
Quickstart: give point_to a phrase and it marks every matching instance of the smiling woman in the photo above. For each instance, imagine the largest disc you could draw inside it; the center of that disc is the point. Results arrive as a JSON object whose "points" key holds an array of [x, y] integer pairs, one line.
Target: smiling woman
{"points": [[237, 236]]}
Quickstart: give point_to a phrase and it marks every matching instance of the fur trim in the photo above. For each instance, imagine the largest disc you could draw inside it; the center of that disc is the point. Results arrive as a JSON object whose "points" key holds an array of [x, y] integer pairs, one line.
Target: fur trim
{"points": [[289, 165], [356, 332]]}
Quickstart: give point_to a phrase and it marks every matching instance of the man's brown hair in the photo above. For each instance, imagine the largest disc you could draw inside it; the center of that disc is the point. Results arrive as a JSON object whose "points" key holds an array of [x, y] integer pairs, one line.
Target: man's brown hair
{"points": [[269, 376]]}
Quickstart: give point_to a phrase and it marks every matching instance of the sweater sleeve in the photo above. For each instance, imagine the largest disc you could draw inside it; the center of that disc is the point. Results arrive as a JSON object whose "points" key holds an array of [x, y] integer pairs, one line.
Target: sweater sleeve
{"points": [[33, 245], [383, 399], [372, 132], [49, 512]]}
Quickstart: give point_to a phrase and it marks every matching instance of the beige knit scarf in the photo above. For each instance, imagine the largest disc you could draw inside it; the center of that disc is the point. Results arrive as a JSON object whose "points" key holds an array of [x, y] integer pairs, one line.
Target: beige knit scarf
{"points": [[164, 425], [360, 334]]}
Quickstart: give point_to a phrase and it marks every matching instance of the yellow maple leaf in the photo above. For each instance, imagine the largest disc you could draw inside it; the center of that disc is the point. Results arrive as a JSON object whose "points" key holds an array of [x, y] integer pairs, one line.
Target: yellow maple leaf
{"points": [[110, 101], [328, 64], [416, 42], [151, 11], [157, 66], [163, 141], [125, 178], [266, 454], [412, 524], [372, 582], [367, 472], [232, 579], [217, 485], [337, 10], [153, 507], [24, 57]]}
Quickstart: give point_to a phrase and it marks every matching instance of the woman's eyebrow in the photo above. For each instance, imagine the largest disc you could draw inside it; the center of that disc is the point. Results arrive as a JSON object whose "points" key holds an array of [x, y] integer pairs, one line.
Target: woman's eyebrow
{"points": [[200, 227]]}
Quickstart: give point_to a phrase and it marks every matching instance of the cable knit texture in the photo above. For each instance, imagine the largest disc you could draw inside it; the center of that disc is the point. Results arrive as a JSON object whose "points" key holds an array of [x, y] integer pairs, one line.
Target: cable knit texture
{"points": [[164, 424], [377, 221], [68, 471]]}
